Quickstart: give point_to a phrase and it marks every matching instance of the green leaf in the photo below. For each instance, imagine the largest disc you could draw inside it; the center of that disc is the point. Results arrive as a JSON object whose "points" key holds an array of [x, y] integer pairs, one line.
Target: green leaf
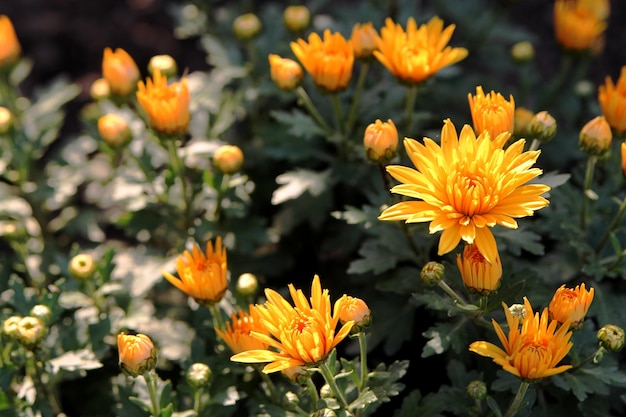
{"points": [[300, 124], [517, 239], [76, 360], [167, 411], [442, 336], [365, 398], [295, 183], [592, 380], [493, 406]]}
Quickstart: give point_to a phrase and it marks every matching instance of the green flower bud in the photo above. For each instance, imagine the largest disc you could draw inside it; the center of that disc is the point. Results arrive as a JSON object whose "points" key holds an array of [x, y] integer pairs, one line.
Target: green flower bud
{"points": [[432, 273], [164, 63], [31, 331], [10, 327], [542, 126], [523, 52], [477, 390], [82, 266], [247, 27], [247, 284], [296, 18], [42, 312], [518, 310], [611, 337], [199, 375]]}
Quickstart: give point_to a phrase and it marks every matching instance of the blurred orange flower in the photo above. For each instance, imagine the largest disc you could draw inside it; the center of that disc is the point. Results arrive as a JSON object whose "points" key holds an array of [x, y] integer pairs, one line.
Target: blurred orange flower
{"points": [[577, 26], [364, 40], [286, 73], [120, 71], [417, 54], [237, 334], [612, 98], [623, 149], [10, 48], [492, 112], [479, 275], [329, 61], [570, 304]]}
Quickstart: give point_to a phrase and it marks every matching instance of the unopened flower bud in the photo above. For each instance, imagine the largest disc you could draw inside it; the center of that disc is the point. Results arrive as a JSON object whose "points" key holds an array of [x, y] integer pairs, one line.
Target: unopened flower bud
{"points": [[356, 310], [42, 312], [523, 52], [611, 337], [120, 70], [623, 152], [381, 141], [326, 391], [164, 63], [10, 326], [584, 88], [364, 40], [199, 375], [137, 354], [291, 401], [518, 310], [595, 137], [542, 126], [477, 390], [296, 18], [6, 121], [247, 284], [522, 120], [82, 266], [10, 48], [247, 27], [432, 273], [286, 73], [228, 159], [31, 331], [114, 130], [100, 89]]}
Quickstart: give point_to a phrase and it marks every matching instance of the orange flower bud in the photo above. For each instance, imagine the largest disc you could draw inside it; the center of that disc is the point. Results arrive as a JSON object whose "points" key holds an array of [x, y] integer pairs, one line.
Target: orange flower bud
{"points": [[522, 119], [612, 98], [228, 159], [100, 89], [542, 126], [356, 310], [10, 48], [595, 137], [491, 112], [286, 73], [381, 141], [296, 18], [479, 276], [114, 130], [364, 40], [570, 304], [247, 27], [137, 354], [120, 70]]}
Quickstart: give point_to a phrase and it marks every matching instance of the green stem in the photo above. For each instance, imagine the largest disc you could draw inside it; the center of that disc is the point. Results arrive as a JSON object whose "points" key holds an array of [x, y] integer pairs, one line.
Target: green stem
{"points": [[273, 393], [218, 321], [330, 380], [591, 163], [315, 397], [197, 401], [534, 145], [221, 190], [591, 358], [334, 98], [179, 170], [36, 373], [446, 288], [411, 96], [616, 221], [357, 95], [517, 401], [306, 101], [151, 383], [363, 352], [553, 91]]}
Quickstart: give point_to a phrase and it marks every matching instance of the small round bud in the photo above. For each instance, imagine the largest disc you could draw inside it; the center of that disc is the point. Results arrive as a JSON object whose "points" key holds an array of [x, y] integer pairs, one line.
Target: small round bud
{"points": [[100, 89], [356, 310], [381, 141], [542, 126], [296, 18], [584, 88], [286, 73], [523, 52], [6, 121], [42, 312], [164, 63], [326, 391], [114, 130], [522, 119], [228, 159], [31, 331], [10, 326], [247, 26], [595, 137], [199, 375], [137, 354], [611, 337], [82, 266], [432, 273], [291, 401], [247, 284], [477, 390], [519, 311]]}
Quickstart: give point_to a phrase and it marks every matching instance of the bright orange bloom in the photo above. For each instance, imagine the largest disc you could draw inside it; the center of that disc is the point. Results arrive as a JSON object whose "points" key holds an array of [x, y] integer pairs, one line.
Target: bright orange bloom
{"points": [[203, 277], [532, 350], [303, 334], [577, 27], [120, 70], [364, 40], [492, 112], [328, 61], [612, 98], [237, 333], [417, 54], [137, 353], [570, 305], [467, 185], [479, 275], [286, 73], [10, 48], [167, 106]]}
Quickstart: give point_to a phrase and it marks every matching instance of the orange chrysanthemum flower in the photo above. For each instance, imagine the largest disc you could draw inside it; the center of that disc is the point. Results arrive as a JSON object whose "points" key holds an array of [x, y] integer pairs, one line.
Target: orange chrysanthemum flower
{"points": [[467, 185], [137, 354], [237, 334], [532, 350], [303, 334], [571, 305], [167, 106], [120, 71], [328, 61], [492, 112], [203, 277], [577, 26], [417, 54], [478, 275], [10, 48], [612, 98]]}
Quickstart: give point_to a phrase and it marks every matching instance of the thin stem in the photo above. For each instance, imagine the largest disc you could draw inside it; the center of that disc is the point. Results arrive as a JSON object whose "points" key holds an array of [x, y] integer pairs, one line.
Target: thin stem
{"points": [[270, 387], [363, 352], [591, 163], [151, 383], [553, 92], [534, 145], [517, 401], [411, 96], [591, 358], [330, 380], [357, 95], [315, 397], [334, 98], [218, 321], [306, 101], [446, 288], [179, 171], [220, 196], [36, 373], [616, 221], [197, 400]]}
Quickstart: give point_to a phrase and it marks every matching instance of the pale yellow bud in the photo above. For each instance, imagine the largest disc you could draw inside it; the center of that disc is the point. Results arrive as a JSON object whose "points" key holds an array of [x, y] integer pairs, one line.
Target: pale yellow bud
{"points": [[164, 63], [114, 130], [247, 27], [82, 266], [228, 159], [296, 18]]}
